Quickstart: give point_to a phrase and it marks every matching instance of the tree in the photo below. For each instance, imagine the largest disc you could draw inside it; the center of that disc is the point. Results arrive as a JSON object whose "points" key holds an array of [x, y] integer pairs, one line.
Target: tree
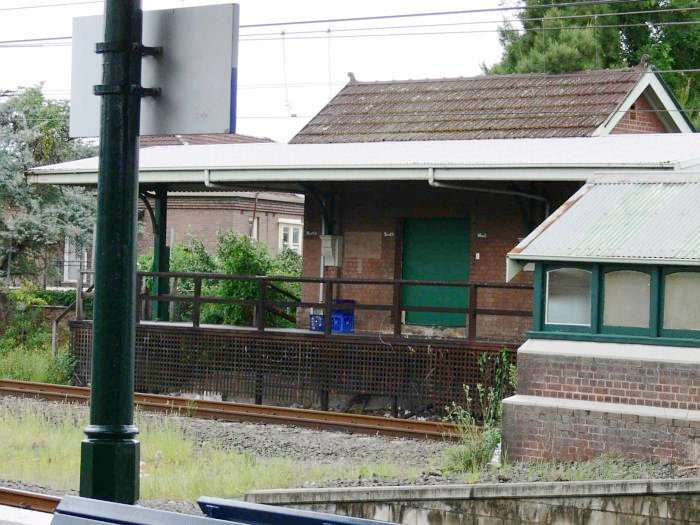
{"points": [[34, 132], [600, 36]]}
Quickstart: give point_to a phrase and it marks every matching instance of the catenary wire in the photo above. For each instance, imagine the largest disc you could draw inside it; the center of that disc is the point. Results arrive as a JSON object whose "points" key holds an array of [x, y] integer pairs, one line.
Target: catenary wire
{"points": [[46, 42]]}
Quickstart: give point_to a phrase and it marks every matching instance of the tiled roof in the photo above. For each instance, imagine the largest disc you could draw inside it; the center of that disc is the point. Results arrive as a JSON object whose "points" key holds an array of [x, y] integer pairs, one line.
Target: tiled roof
{"points": [[483, 107], [177, 140]]}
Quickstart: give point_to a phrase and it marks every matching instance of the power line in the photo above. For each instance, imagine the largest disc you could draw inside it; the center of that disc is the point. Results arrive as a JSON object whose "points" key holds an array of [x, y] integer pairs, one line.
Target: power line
{"points": [[43, 6], [440, 13], [484, 22], [560, 17], [44, 42], [475, 31]]}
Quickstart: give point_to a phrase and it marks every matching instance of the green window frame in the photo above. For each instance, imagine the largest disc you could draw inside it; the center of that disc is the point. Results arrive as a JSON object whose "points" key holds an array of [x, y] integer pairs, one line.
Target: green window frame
{"points": [[655, 333], [652, 304], [673, 332], [544, 293]]}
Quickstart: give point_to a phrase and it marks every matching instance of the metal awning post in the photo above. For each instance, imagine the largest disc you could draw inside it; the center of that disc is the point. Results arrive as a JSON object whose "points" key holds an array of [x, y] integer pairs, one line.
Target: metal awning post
{"points": [[161, 252], [109, 467]]}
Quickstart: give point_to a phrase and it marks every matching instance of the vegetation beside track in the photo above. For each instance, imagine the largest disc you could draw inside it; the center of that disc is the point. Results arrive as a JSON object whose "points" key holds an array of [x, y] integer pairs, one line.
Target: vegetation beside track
{"points": [[44, 448], [25, 339]]}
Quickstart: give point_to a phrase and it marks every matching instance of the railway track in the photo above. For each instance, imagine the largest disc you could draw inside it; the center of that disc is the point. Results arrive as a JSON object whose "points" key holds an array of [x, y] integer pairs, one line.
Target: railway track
{"points": [[245, 412], [28, 500]]}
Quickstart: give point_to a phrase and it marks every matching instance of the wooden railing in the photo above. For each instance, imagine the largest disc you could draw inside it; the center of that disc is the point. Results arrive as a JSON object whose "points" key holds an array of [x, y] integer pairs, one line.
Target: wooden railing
{"points": [[263, 304]]}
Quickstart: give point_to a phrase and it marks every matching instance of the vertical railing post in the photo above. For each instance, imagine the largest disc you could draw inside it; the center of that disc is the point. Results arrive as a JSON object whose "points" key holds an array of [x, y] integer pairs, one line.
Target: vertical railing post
{"points": [[139, 292], [260, 308], [472, 312], [396, 308], [327, 307], [196, 304], [79, 297], [172, 305]]}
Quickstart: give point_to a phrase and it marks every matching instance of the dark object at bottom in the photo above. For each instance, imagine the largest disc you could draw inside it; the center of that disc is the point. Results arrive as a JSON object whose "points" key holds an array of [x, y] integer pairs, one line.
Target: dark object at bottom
{"points": [[85, 511], [257, 514]]}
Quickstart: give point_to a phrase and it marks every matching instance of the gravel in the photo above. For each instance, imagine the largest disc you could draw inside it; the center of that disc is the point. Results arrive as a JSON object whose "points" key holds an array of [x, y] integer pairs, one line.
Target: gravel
{"points": [[344, 449]]}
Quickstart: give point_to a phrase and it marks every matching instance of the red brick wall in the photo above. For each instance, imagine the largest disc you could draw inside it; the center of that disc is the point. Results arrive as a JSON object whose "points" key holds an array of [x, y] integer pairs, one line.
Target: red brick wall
{"points": [[368, 217], [534, 433], [548, 425], [659, 384], [640, 119], [205, 217]]}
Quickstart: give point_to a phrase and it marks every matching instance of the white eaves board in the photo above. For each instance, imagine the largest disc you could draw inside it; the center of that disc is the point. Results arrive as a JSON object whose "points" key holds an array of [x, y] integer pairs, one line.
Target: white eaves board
{"points": [[196, 72]]}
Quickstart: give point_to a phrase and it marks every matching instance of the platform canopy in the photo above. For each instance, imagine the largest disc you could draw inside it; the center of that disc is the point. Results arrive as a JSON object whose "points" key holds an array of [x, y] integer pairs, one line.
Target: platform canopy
{"points": [[634, 218], [287, 167]]}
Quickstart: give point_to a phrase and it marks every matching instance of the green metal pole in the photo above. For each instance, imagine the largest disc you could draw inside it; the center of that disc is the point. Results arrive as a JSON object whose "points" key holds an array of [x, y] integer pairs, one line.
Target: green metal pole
{"points": [[161, 254], [109, 467]]}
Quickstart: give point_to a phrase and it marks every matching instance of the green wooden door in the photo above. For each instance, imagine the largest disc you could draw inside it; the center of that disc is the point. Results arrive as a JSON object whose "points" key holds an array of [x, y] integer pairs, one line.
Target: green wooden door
{"points": [[436, 250]]}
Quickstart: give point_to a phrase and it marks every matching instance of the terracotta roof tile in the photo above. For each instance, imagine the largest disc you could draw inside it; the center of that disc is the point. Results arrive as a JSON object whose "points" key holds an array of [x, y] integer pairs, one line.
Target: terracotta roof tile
{"points": [[212, 138], [487, 106]]}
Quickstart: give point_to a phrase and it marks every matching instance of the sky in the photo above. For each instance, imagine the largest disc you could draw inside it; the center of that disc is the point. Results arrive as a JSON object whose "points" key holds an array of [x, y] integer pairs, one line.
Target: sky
{"points": [[284, 79]]}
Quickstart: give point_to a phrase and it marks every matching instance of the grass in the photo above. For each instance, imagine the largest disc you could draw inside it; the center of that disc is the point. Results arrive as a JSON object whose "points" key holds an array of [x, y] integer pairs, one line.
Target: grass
{"points": [[44, 448], [26, 363]]}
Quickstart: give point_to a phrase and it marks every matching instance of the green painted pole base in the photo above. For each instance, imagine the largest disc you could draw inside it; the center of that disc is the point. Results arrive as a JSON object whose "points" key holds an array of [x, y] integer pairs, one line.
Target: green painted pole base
{"points": [[116, 453]]}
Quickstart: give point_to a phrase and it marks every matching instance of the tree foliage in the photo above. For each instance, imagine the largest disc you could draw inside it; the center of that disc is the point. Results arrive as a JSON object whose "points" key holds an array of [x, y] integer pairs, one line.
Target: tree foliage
{"points": [[600, 36], [34, 132], [236, 254]]}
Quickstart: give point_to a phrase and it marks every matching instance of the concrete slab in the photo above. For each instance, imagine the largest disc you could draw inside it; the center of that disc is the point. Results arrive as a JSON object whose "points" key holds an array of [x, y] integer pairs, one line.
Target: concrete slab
{"points": [[16, 516], [601, 407], [599, 349]]}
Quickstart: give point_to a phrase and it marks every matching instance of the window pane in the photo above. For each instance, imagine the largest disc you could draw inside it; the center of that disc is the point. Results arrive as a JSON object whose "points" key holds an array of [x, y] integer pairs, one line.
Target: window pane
{"points": [[682, 301], [295, 236], [568, 297], [626, 301], [285, 235]]}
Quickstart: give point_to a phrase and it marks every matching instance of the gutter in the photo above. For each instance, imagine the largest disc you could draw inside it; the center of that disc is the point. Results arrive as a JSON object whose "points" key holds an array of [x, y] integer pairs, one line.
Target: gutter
{"points": [[435, 184]]}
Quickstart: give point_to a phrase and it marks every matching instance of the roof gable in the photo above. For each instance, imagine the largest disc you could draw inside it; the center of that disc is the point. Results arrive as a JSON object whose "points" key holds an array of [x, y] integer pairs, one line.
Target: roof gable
{"points": [[483, 107]]}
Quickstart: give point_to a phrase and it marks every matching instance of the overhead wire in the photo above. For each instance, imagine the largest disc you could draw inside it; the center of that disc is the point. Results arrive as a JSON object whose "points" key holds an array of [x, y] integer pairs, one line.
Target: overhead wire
{"points": [[485, 22], [333, 33], [476, 31]]}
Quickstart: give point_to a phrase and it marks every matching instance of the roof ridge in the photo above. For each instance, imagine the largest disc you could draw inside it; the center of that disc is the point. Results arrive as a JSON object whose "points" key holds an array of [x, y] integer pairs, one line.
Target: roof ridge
{"points": [[634, 69]]}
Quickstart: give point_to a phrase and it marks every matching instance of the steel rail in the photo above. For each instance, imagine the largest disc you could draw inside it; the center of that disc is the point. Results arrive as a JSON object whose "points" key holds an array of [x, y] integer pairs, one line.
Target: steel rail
{"points": [[28, 500], [246, 412]]}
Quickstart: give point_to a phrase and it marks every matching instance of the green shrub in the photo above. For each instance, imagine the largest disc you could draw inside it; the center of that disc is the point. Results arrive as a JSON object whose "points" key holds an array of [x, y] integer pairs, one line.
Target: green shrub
{"points": [[61, 368], [236, 255], [25, 343]]}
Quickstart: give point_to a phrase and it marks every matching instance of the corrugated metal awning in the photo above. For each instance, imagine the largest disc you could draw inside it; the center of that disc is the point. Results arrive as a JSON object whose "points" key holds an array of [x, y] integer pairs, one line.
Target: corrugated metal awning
{"points": [[553, 159], [641, 218]]}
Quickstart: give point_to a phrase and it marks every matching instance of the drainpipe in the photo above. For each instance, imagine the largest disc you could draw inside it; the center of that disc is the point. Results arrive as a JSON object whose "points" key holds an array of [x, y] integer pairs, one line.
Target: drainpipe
{"points": [[436, 184], [321, 258]]}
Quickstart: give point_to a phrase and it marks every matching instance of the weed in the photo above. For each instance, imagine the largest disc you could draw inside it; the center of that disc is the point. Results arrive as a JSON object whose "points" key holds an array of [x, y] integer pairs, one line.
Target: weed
{"points": [[476, 443]]}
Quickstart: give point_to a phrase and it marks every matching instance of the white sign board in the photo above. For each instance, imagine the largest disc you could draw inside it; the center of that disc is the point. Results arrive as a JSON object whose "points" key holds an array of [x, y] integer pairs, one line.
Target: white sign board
{"points": [[196, 73]]}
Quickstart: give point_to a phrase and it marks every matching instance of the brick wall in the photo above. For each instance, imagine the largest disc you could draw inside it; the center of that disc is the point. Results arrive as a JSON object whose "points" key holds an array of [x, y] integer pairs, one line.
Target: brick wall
{"points": [[535, 433], [205, 217], [640, 118], [577, 400], [633, 382], [369, 215]]}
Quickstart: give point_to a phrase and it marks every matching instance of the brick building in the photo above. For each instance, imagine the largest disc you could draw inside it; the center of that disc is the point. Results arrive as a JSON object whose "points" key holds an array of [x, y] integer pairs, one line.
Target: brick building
{"points": [[437, 179], [458, 231], [275, 219], [611, 365], [382, 206]]}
